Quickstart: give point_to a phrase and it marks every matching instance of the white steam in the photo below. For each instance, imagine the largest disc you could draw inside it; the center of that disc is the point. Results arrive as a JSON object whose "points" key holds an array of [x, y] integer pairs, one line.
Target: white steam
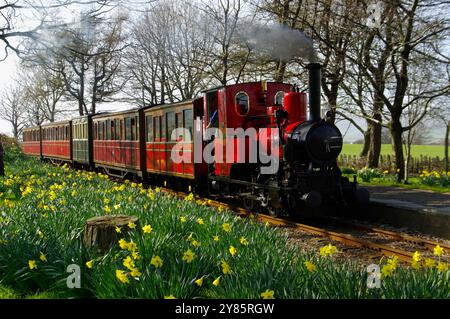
{"points": [[278, 41]]}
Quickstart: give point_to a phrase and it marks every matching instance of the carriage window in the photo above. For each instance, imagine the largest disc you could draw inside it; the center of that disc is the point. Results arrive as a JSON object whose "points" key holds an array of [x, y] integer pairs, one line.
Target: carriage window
{"points": [[170, 125], [67, 133], [113, 131], [188, 121], [157, 128], [133, 129], [149, 128], [128, 129], [100, 137], [108, 130], [163, 127], [242, 103], [117, 127], [279, 98], [137, 137]]}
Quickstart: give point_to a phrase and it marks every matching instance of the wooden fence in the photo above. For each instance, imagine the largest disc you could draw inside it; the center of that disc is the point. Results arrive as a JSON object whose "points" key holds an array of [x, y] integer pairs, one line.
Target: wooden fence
{"points": [[387, 162]]}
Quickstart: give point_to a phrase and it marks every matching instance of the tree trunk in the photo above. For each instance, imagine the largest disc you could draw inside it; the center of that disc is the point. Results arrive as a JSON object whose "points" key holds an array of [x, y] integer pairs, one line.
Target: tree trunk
{"points": [[280, 71], [375, 145], [447, 133], [396, 131], [100, 232], [366, 145]]}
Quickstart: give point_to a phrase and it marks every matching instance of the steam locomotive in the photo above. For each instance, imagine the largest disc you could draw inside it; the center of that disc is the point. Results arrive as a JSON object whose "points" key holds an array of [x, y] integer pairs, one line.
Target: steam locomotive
{"points": [[239, 122]]}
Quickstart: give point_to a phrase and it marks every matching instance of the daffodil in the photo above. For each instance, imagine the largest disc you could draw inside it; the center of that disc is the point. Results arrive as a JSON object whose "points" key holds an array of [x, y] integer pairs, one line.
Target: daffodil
{"points": [[195, 243], [131, 225], [183, 219], [157, 262], [416, 256], [387, 270], [90, 264], [147, 229], [135, 255], [122, 276], [216, 238], [268, 294], [118, 230], [216, 282], [232, 250], [243, 241], [328, 250], [310, 266], [131, 246], [430, 263], [129, 263], [226, 227], [199, 282], [188, 256], [441, 267], [42, 257], [200, 221], [32, 264], [123, 243], [438, 250], [135, 273], [226, 269], [107, 209]]}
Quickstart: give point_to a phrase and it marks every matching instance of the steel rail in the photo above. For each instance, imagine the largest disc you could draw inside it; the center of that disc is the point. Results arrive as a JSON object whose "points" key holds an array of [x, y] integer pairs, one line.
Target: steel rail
{"points": [[336, 236]]}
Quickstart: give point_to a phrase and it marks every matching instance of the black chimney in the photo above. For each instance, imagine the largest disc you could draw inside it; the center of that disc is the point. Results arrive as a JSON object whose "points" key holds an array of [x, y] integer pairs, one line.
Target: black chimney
{"points": [[314, 91]]}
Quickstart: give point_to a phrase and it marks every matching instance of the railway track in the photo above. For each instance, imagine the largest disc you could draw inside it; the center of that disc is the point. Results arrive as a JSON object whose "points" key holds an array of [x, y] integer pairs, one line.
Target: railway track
{"points": [[345, 238]]}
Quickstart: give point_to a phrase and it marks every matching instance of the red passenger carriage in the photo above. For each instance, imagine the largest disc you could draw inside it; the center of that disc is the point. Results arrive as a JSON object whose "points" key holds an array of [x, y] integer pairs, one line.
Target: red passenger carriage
{"points": [[56, 141], [117, 143], [32, 141]]}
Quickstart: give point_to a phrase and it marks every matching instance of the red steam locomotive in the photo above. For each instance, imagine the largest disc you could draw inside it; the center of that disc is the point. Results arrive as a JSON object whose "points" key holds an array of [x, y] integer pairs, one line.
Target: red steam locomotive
{"points": [[253, 141]]}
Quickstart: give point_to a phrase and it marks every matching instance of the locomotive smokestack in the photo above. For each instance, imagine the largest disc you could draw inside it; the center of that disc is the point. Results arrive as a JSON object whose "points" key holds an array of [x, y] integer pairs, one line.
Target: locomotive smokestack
{"points": [[314, 91]]}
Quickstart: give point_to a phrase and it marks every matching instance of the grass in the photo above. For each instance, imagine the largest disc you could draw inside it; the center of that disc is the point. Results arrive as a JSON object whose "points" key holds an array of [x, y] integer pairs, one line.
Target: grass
{"points": [[416, 150], [42, 213]]}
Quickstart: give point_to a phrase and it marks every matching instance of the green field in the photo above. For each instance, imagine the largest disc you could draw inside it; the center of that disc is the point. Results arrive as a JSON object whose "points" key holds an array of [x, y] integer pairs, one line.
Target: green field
{"points": [[417, 150]]}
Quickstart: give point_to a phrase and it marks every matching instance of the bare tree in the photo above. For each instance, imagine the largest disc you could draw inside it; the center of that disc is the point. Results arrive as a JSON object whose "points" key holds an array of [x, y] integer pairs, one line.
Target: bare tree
{"points": [[12, 109], [226, 55], [14, 12], [166, 54]]}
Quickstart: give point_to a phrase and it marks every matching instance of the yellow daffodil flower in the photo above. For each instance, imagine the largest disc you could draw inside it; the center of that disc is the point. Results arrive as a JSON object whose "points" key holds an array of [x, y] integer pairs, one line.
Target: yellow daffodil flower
{"points": [[226, 269], [438, 250], [90, 264], [243, 241], [32, 264], [42, 257], [268, 294], [122, 276], [157, 262], [199, 282], [216, 282], [310, 266], [188, 256], [226, 227], [147, 229]]}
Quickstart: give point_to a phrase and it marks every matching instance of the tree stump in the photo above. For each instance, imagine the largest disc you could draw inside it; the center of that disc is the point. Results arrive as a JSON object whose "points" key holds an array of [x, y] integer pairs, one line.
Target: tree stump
{"points": [[100, 231]]}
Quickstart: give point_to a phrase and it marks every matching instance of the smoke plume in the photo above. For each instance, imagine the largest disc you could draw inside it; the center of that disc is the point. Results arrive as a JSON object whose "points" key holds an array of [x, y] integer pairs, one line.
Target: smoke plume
{"points": [[278, 41]]}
